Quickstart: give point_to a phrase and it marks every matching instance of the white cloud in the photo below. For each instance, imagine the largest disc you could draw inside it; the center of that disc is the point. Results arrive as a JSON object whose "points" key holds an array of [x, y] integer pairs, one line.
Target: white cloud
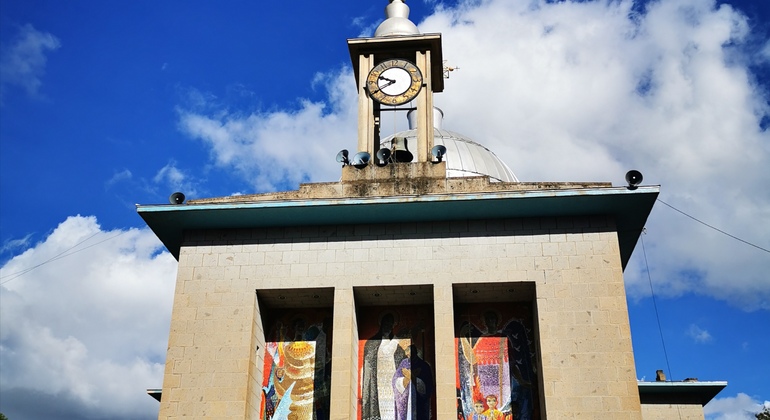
{"points": [[280, 149], [586, 91], [740, 407], [123, 175], [176, 179], [764, 53], [23, 62], [698, 334], [12, 245], [574, 91], [88, 325]]}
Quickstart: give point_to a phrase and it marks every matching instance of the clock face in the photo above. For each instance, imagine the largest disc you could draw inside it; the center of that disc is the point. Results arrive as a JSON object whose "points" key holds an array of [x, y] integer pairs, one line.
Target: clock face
{"points": [[394, 82]]}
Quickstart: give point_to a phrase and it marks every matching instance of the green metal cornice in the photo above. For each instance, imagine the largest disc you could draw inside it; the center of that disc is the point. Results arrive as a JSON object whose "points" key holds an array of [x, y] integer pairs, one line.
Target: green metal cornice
{"points": [[630, 209]]}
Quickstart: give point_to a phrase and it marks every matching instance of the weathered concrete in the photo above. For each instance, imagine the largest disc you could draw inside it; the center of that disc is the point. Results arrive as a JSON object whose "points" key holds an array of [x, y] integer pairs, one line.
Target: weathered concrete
{"points": [[417, 178], [587, 366]]}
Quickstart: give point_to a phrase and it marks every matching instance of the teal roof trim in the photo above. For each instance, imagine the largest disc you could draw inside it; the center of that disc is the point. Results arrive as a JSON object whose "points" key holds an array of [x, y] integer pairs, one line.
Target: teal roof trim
{"points": [[679, 392], [629, 207]]}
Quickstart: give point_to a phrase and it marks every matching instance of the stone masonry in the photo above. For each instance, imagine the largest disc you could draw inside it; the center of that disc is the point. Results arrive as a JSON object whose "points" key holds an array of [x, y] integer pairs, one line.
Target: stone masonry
{"points": [[214, 363]]}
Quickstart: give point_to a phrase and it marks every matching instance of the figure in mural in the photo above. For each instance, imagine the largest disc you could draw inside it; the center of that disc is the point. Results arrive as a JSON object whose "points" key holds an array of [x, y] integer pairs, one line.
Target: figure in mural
{"points": [[478, 411], [382, 355], [396, 378], [413, 386], [295, 380], [496, 362], [492, 412], [274, 371]]}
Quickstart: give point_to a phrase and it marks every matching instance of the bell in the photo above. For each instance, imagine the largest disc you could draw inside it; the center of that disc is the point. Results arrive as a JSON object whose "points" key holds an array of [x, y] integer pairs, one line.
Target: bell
{"points": [[400, 150]]}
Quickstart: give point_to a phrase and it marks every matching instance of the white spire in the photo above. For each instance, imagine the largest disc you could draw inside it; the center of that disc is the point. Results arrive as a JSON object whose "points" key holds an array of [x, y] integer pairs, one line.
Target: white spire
{"points": [[396, 21]]}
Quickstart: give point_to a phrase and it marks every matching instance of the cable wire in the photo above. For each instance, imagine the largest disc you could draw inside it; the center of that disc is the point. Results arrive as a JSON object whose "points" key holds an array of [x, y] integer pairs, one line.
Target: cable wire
{"points": [[63, 254], [50, 259], [712, 227], [655, 304]]}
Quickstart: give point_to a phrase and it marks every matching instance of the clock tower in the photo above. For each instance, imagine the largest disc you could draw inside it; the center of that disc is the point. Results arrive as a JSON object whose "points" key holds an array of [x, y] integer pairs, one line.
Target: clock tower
{"points": [[398, 69]]}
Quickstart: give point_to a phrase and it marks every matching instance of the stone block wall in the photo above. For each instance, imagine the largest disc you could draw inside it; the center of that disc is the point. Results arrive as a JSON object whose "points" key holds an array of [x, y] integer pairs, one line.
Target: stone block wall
{"points": [[216, 345]]}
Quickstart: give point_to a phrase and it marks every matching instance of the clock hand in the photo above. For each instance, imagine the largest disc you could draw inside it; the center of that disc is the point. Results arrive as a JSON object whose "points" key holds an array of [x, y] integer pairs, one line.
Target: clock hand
{"points": [[380, 88], [389, 80]]}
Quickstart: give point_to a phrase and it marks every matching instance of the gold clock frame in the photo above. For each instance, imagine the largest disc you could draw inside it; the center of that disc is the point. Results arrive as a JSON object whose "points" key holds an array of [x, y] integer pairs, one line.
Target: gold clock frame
{"points": [[373, 88]]}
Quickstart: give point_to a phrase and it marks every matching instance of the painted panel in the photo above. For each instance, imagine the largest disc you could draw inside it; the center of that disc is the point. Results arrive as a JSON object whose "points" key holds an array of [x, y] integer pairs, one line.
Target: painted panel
{"points": [[297, 370], [395, 361], [496, 370]]}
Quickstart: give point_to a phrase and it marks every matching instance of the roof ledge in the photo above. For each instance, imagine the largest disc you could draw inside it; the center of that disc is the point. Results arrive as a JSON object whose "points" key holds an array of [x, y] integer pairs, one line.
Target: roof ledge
{"points": [[419, 178], [679, 392]]}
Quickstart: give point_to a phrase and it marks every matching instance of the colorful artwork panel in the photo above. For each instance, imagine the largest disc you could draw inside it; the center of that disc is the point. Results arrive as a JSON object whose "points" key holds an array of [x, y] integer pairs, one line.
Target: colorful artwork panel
{"points": [[496, 362], [396, 353], [296, 383]]}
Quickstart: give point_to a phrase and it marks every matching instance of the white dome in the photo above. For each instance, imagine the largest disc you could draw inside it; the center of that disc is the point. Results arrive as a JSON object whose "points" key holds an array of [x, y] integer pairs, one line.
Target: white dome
{"points": [[464, 157]]}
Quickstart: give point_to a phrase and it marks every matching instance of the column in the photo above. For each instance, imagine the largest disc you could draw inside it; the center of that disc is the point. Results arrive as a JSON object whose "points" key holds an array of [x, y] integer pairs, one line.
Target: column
{"points": [[365, 108], [424, 109], [344, 357], [443, 313]]}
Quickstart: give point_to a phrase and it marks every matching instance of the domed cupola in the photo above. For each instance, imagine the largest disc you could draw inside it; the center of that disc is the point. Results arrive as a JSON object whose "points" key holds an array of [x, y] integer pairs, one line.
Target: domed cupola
{"points": [[464, 157]]}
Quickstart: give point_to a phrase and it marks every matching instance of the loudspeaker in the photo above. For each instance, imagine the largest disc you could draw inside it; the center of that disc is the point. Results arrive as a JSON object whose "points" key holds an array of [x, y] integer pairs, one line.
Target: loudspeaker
{"points": [[342, 157], [382, 157], [361, 159], [438, 151], [634, 178], [176, 198]]}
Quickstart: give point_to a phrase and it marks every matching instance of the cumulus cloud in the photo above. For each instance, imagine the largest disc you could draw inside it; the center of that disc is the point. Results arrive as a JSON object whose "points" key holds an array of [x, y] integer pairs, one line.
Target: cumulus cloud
{"points": [[175, 179], [698, 334], [277, 150], [23, 61], [576, 91], [589, 90], [740, 407], [84, 319]]}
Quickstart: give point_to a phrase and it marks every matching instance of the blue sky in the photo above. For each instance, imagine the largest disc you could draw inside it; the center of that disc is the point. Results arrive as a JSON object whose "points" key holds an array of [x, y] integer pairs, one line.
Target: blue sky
{"points": [[108, 104]]}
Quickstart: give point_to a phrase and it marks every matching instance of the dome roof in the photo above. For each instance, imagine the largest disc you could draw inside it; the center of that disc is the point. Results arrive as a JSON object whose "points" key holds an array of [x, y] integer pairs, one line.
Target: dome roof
{"points": [[464, 157]]}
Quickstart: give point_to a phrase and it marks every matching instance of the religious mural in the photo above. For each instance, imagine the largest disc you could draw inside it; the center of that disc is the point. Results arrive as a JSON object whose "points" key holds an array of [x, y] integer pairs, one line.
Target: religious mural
{"points": [[395, 358], [297, 370], [496, 371]]}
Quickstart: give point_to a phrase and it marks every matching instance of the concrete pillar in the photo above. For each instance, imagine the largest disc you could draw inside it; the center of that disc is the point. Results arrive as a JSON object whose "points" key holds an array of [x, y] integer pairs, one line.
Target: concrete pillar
{"points": [[344, 393], [424, 109], [365, 108], [443, 313], [256, 365]]}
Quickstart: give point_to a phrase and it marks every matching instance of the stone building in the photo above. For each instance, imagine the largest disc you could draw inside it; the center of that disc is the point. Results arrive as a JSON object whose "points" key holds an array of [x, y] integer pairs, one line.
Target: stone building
{"points": [[427, 283]]}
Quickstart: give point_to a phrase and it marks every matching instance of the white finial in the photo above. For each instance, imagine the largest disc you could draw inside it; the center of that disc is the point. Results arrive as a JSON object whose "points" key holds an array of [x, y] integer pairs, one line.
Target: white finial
{"points": [[396, 21]]}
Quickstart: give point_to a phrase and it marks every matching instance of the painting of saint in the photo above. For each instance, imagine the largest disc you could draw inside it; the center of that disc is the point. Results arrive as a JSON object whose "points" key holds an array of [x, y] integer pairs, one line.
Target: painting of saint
{"points": [[382, 355], [395, 380], [413, 386], [495, 362]]}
